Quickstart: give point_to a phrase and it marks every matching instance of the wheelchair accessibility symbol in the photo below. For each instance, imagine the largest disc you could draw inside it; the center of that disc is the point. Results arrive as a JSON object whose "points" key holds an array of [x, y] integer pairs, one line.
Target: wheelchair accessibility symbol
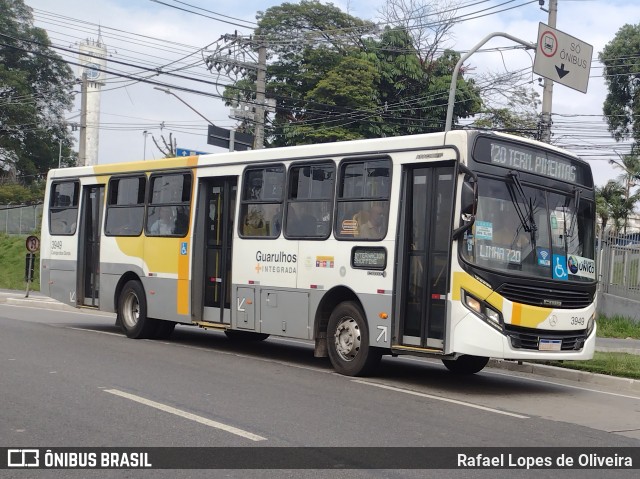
{"points": [[560, 267], [183, 248]]}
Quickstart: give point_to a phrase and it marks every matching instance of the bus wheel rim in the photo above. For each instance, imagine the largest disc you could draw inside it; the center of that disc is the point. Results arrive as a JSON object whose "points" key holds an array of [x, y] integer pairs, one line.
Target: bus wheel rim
{"points": [[347, 339], [131, 310]]}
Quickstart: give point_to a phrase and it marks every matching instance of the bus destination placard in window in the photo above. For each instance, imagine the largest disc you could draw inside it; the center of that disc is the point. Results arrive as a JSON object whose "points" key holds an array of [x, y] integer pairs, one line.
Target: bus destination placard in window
{"points": [[364, 257]]}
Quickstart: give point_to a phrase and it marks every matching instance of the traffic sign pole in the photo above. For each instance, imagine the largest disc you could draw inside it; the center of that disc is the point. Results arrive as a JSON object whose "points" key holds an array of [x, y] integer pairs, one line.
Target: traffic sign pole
{"points": [[547, 92], [33, 245]]}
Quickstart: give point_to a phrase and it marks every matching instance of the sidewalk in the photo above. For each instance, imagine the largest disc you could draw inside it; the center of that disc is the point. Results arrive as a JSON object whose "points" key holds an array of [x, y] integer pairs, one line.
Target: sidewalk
{"points": [[610, 345]]}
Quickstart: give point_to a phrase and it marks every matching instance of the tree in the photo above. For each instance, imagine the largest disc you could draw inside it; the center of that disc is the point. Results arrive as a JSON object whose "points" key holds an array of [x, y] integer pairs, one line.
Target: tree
{"points": [[509, 109], [336, 77], [607, 199], [614, 202], [170, 147], [622, 75], [35, 91]]}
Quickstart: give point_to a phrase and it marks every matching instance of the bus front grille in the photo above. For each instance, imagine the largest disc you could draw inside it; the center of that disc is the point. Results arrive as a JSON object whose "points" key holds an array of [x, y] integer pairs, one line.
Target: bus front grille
{"points": [[524, 338], [546, 297]]}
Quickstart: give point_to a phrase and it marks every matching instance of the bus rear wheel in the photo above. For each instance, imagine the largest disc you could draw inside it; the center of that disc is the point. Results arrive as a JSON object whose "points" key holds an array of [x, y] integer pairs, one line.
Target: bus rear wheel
{"points": [[466, 364], [132, 312], [348, 341]]}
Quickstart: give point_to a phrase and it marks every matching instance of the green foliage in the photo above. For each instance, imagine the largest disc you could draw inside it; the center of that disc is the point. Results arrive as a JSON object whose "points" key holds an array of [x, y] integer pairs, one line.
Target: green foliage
{"points": [[337, 77], [618, 327], [622, 75], [12, 259], [35, 90], [15, 194], [519, 116], [612, 364]]}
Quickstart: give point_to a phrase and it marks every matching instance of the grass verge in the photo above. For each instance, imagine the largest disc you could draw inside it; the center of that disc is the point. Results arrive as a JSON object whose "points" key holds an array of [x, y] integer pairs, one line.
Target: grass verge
{"points": [[12, 259], [612, 364], [618, 327]]}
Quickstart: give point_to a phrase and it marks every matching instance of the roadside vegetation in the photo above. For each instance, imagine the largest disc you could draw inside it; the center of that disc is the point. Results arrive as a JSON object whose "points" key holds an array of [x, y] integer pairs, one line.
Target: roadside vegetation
{"points": [[612, 364], [12, 259], [618, 327]]}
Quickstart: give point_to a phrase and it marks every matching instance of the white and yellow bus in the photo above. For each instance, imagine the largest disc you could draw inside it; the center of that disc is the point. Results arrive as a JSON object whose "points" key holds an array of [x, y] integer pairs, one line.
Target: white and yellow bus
{"points": [[462, 246]]}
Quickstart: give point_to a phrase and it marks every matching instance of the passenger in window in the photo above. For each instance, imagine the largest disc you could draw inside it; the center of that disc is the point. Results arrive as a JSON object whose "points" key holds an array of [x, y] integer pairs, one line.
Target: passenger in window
{"points": [[182, 220], [374, 227], [254, 223], [276, 223], [164, 224]]}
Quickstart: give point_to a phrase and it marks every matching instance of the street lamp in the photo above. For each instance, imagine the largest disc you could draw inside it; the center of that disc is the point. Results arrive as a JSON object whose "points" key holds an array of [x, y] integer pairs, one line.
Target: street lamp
{"points": [[169, 92], [144, 151]]}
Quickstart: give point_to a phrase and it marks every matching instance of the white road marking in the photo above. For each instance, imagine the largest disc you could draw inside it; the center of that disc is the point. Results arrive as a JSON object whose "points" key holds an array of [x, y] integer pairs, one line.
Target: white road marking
{"points": [[187, 415], [120, 335], [563, 385], [439, 398], [527, 378]]}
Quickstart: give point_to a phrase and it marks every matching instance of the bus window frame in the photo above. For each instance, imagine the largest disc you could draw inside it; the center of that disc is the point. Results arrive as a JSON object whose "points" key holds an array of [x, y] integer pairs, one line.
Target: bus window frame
{"points": [[243, 201], [365, 199], [76, 206], [137, 205], [288, 201], [149, 204]]}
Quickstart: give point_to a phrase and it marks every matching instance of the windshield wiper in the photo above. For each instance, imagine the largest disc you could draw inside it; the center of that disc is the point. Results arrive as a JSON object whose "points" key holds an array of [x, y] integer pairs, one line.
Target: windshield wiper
{"points": [[577, 192], [526, 218]]}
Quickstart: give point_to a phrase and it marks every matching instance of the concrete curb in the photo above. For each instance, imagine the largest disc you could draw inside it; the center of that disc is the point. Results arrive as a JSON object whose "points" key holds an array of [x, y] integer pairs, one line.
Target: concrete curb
{"points": [[567, 374]]}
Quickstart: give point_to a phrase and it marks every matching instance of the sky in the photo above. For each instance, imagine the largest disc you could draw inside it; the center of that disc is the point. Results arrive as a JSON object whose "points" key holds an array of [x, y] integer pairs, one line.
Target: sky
{"points": [[152, 33]]}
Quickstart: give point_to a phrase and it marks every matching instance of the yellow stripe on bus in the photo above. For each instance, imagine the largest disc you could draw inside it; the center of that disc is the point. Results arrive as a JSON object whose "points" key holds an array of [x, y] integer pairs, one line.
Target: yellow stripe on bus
{"points": [[528, 316], [182, 291]]}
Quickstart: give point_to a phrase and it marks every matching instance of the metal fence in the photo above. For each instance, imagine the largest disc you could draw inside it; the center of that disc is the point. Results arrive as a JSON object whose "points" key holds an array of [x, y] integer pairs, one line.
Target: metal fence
{"points": [[619, 275], [20, 219]]}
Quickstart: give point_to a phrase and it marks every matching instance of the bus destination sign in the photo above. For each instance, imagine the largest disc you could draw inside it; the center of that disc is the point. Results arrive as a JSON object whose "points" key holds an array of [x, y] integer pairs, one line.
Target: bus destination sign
{"points": [[363, 257], [531, 160]]}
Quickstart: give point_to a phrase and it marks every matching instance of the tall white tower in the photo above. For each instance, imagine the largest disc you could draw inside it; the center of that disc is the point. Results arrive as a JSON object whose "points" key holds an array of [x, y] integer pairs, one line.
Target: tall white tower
{"points": [[93, 59]]}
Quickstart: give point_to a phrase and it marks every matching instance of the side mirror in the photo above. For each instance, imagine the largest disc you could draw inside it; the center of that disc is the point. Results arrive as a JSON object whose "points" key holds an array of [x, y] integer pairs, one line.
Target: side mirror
{"points": [[469, 196], [468, 201]]}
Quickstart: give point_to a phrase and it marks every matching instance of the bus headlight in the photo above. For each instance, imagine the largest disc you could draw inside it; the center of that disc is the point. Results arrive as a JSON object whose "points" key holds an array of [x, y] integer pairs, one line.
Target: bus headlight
{"points": [[482, 309]]}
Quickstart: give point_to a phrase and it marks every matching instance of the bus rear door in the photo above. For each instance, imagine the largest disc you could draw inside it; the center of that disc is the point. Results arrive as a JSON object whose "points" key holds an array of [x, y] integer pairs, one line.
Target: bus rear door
{"points": [[88, 282], [214, 239]]}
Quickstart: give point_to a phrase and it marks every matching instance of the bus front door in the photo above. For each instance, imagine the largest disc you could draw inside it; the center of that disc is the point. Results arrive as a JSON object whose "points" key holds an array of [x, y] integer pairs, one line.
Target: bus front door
{"points": [[425, 250], [217, 205], [88, 280]]}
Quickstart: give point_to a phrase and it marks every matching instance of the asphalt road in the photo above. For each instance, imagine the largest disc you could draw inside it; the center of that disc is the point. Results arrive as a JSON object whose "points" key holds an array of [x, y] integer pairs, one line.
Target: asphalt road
{"points": [[71, 379]]}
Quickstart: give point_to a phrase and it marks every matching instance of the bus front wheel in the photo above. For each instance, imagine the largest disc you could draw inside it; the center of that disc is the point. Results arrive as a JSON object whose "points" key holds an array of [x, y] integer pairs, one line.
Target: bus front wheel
{"points": [[132, 312], [466, 364], [348, 341]]}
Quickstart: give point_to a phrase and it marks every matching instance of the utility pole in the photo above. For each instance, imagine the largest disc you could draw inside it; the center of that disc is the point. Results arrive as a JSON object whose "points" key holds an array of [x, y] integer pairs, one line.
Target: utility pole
{"points": [[258, 141], [236, 55], [82, 153], [547, 94]]}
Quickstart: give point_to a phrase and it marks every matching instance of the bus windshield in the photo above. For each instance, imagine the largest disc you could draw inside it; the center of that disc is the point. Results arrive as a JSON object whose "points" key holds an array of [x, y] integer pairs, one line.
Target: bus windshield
{"points": [[526, 230]]}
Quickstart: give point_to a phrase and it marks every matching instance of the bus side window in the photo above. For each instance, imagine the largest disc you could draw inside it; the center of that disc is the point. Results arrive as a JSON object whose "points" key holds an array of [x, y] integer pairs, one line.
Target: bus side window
{"points": [[63, 208], [261, 202], [310, 200], [125, 206], [168, 204], [362, 205]]}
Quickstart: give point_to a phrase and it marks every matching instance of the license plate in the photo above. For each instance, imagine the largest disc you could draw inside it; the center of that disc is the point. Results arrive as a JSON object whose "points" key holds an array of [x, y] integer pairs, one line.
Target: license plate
{"points": [[550, 345]]}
